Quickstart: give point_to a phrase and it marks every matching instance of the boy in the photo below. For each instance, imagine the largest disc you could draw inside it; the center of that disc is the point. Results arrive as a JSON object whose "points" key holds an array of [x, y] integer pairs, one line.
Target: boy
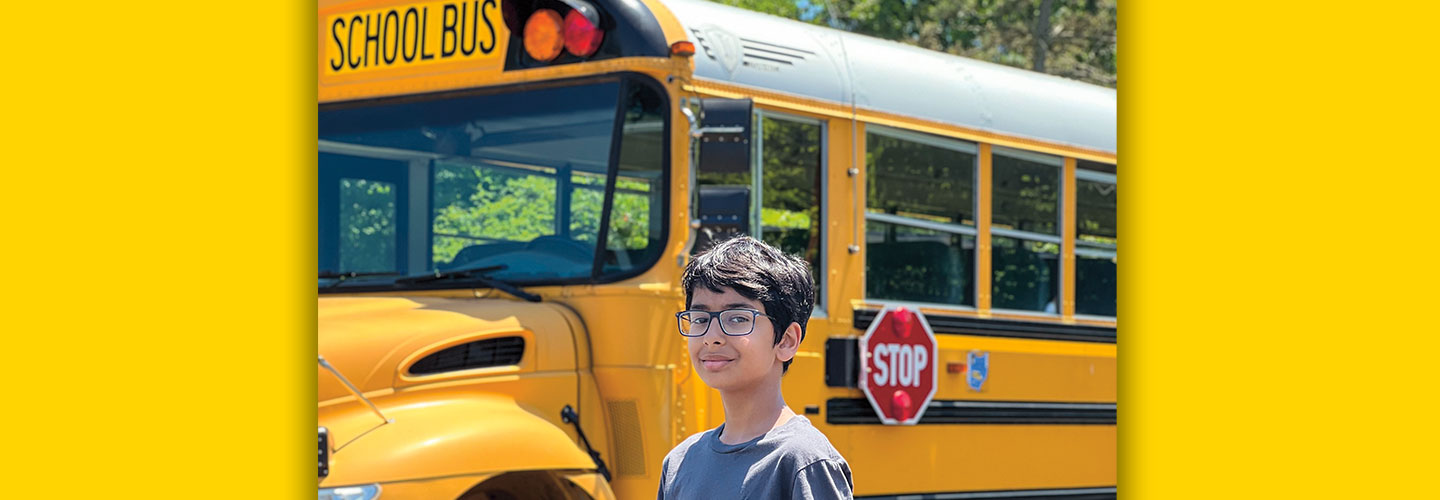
{"points": [[746, 308]]}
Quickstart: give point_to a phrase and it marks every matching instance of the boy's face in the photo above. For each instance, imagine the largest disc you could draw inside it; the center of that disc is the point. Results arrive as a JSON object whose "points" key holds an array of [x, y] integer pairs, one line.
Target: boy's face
{"points": [[729, 362]]}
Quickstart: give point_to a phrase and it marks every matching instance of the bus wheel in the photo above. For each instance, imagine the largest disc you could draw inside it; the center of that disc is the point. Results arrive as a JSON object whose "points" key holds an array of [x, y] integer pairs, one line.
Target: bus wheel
{"points": [[526, 485]]}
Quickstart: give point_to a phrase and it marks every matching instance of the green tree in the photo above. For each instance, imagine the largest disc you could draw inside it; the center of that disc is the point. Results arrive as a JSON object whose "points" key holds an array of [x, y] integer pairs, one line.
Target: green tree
{"points": [[367, 225], [806, 11], [476, 205], [491, 205]]}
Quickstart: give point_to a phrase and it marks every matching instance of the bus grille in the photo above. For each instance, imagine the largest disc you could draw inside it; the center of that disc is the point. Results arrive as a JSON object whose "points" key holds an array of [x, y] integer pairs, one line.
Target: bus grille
{"points": [[480, 354], [625, 438]]}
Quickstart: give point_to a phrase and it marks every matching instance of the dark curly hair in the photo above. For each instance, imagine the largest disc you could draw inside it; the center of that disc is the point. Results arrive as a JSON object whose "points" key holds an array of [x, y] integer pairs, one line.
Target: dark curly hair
{"points": [[758, 272]]}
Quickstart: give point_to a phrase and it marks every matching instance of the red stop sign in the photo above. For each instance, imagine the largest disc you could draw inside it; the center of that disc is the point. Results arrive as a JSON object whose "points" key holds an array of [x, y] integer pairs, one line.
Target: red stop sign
{"points": [[897, 372]]}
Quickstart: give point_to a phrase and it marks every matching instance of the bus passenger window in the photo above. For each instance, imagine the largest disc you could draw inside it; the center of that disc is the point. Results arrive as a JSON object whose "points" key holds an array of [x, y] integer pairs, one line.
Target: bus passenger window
{"points": [[1025, 229], [1095, 239], [920, 218], [367, 226], [1027, 195], [790, 211], [920, 265], [1026, 274]]}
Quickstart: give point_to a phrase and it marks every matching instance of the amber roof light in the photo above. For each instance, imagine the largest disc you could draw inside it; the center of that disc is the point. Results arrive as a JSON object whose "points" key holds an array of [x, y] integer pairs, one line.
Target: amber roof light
{"points": [[543, 35], [682, 48]]}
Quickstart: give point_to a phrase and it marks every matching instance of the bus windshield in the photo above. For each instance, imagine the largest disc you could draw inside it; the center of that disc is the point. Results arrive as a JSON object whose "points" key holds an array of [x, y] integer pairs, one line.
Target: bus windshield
{"points": [[526, 185]]}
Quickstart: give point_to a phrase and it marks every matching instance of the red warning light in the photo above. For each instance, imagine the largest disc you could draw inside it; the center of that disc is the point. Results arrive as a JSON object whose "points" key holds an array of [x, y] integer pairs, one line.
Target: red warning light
{"points": [[900, 403], [902, 321], [582, 38]]}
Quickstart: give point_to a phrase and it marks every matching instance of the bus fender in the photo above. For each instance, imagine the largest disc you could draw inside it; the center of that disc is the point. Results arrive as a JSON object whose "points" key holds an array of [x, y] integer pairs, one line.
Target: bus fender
{"points": [[470, 434]]}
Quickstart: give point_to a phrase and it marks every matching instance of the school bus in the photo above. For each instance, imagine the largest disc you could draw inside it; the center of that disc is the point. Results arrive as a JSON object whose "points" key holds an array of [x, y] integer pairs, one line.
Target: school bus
{"points": [[509, 191]]}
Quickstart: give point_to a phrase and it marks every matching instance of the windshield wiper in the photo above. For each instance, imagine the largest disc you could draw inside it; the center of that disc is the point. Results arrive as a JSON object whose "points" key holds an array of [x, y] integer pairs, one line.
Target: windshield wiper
{"points": [[341, 277], [453, 273], [476, 274]]}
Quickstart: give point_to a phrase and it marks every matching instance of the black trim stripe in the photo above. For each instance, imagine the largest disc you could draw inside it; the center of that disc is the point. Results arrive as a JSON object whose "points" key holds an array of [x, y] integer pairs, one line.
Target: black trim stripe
{"points": [[857, 411], [1106, 493], [962, 325]]}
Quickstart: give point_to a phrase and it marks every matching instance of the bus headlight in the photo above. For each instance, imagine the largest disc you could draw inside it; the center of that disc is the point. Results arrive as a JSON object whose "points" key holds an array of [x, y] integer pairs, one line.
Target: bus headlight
{"points": [[364, 492]]}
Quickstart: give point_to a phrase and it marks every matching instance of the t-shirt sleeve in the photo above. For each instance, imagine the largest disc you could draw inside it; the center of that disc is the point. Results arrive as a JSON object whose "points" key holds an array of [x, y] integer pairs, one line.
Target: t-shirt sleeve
{"points": [[664, 466], [824, 479]]}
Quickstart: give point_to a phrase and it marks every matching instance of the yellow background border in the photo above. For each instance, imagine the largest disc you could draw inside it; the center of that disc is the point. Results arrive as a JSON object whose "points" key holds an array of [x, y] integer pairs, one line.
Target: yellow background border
{"points": [[1277, 214]]}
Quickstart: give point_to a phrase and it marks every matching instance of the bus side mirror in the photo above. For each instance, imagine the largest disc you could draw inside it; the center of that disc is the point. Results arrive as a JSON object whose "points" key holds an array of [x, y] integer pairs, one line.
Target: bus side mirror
{"points": [[724, 135]]}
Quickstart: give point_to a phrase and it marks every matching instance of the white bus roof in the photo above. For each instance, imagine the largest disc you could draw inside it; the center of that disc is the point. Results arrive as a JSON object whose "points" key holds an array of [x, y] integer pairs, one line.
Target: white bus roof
{"points": [[768, 52]]}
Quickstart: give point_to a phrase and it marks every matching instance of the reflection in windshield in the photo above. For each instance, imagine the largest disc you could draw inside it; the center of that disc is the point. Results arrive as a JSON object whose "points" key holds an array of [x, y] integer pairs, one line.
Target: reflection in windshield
{"points": [[517, 179]]}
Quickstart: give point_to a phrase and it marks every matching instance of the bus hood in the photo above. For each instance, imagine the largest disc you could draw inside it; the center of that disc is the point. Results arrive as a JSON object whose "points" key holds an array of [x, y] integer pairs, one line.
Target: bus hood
{"points": [[460, 419], [372, 341]]}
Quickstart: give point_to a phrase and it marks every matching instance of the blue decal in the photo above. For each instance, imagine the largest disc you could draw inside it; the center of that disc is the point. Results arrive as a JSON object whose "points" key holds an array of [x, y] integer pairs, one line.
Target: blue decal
{"points": [[979, 369]]}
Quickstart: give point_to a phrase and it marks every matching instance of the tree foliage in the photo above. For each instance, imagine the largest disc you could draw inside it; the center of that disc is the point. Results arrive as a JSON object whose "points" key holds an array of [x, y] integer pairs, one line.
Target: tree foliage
{"points": [[367, 221], [482, 205], [1070, 38]]}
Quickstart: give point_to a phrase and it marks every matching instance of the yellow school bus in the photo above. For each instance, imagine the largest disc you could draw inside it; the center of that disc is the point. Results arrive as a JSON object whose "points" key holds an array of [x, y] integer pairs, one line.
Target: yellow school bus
{"points": [[509, 191]]}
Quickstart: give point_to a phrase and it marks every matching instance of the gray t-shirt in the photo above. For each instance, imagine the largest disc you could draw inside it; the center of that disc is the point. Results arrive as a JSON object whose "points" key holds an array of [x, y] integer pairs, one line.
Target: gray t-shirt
{"points": [[791, 461]]}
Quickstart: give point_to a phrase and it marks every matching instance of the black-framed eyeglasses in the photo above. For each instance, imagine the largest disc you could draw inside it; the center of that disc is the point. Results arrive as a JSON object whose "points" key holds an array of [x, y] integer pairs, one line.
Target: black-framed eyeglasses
{"points": [[733, 322]]}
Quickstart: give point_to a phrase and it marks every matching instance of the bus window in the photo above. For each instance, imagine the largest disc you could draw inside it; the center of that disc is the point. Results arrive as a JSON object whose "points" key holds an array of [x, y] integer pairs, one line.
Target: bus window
{"points": [[916, 264], [1026, 274], [481, 205], [634, 234], [920, 218], [363, 213], [367, 225], [790, 210], [1095, 240], [1025, 229], [513, 181]]}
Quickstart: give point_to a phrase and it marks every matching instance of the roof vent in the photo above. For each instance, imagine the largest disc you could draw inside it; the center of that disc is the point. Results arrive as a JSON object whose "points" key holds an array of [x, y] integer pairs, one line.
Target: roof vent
{"points": [[502, 351], [760, 53], [731, 51]]}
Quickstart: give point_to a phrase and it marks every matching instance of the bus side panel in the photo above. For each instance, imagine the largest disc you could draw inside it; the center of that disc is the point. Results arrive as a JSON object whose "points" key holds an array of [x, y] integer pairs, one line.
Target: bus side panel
{"points": [[944, 458]]}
